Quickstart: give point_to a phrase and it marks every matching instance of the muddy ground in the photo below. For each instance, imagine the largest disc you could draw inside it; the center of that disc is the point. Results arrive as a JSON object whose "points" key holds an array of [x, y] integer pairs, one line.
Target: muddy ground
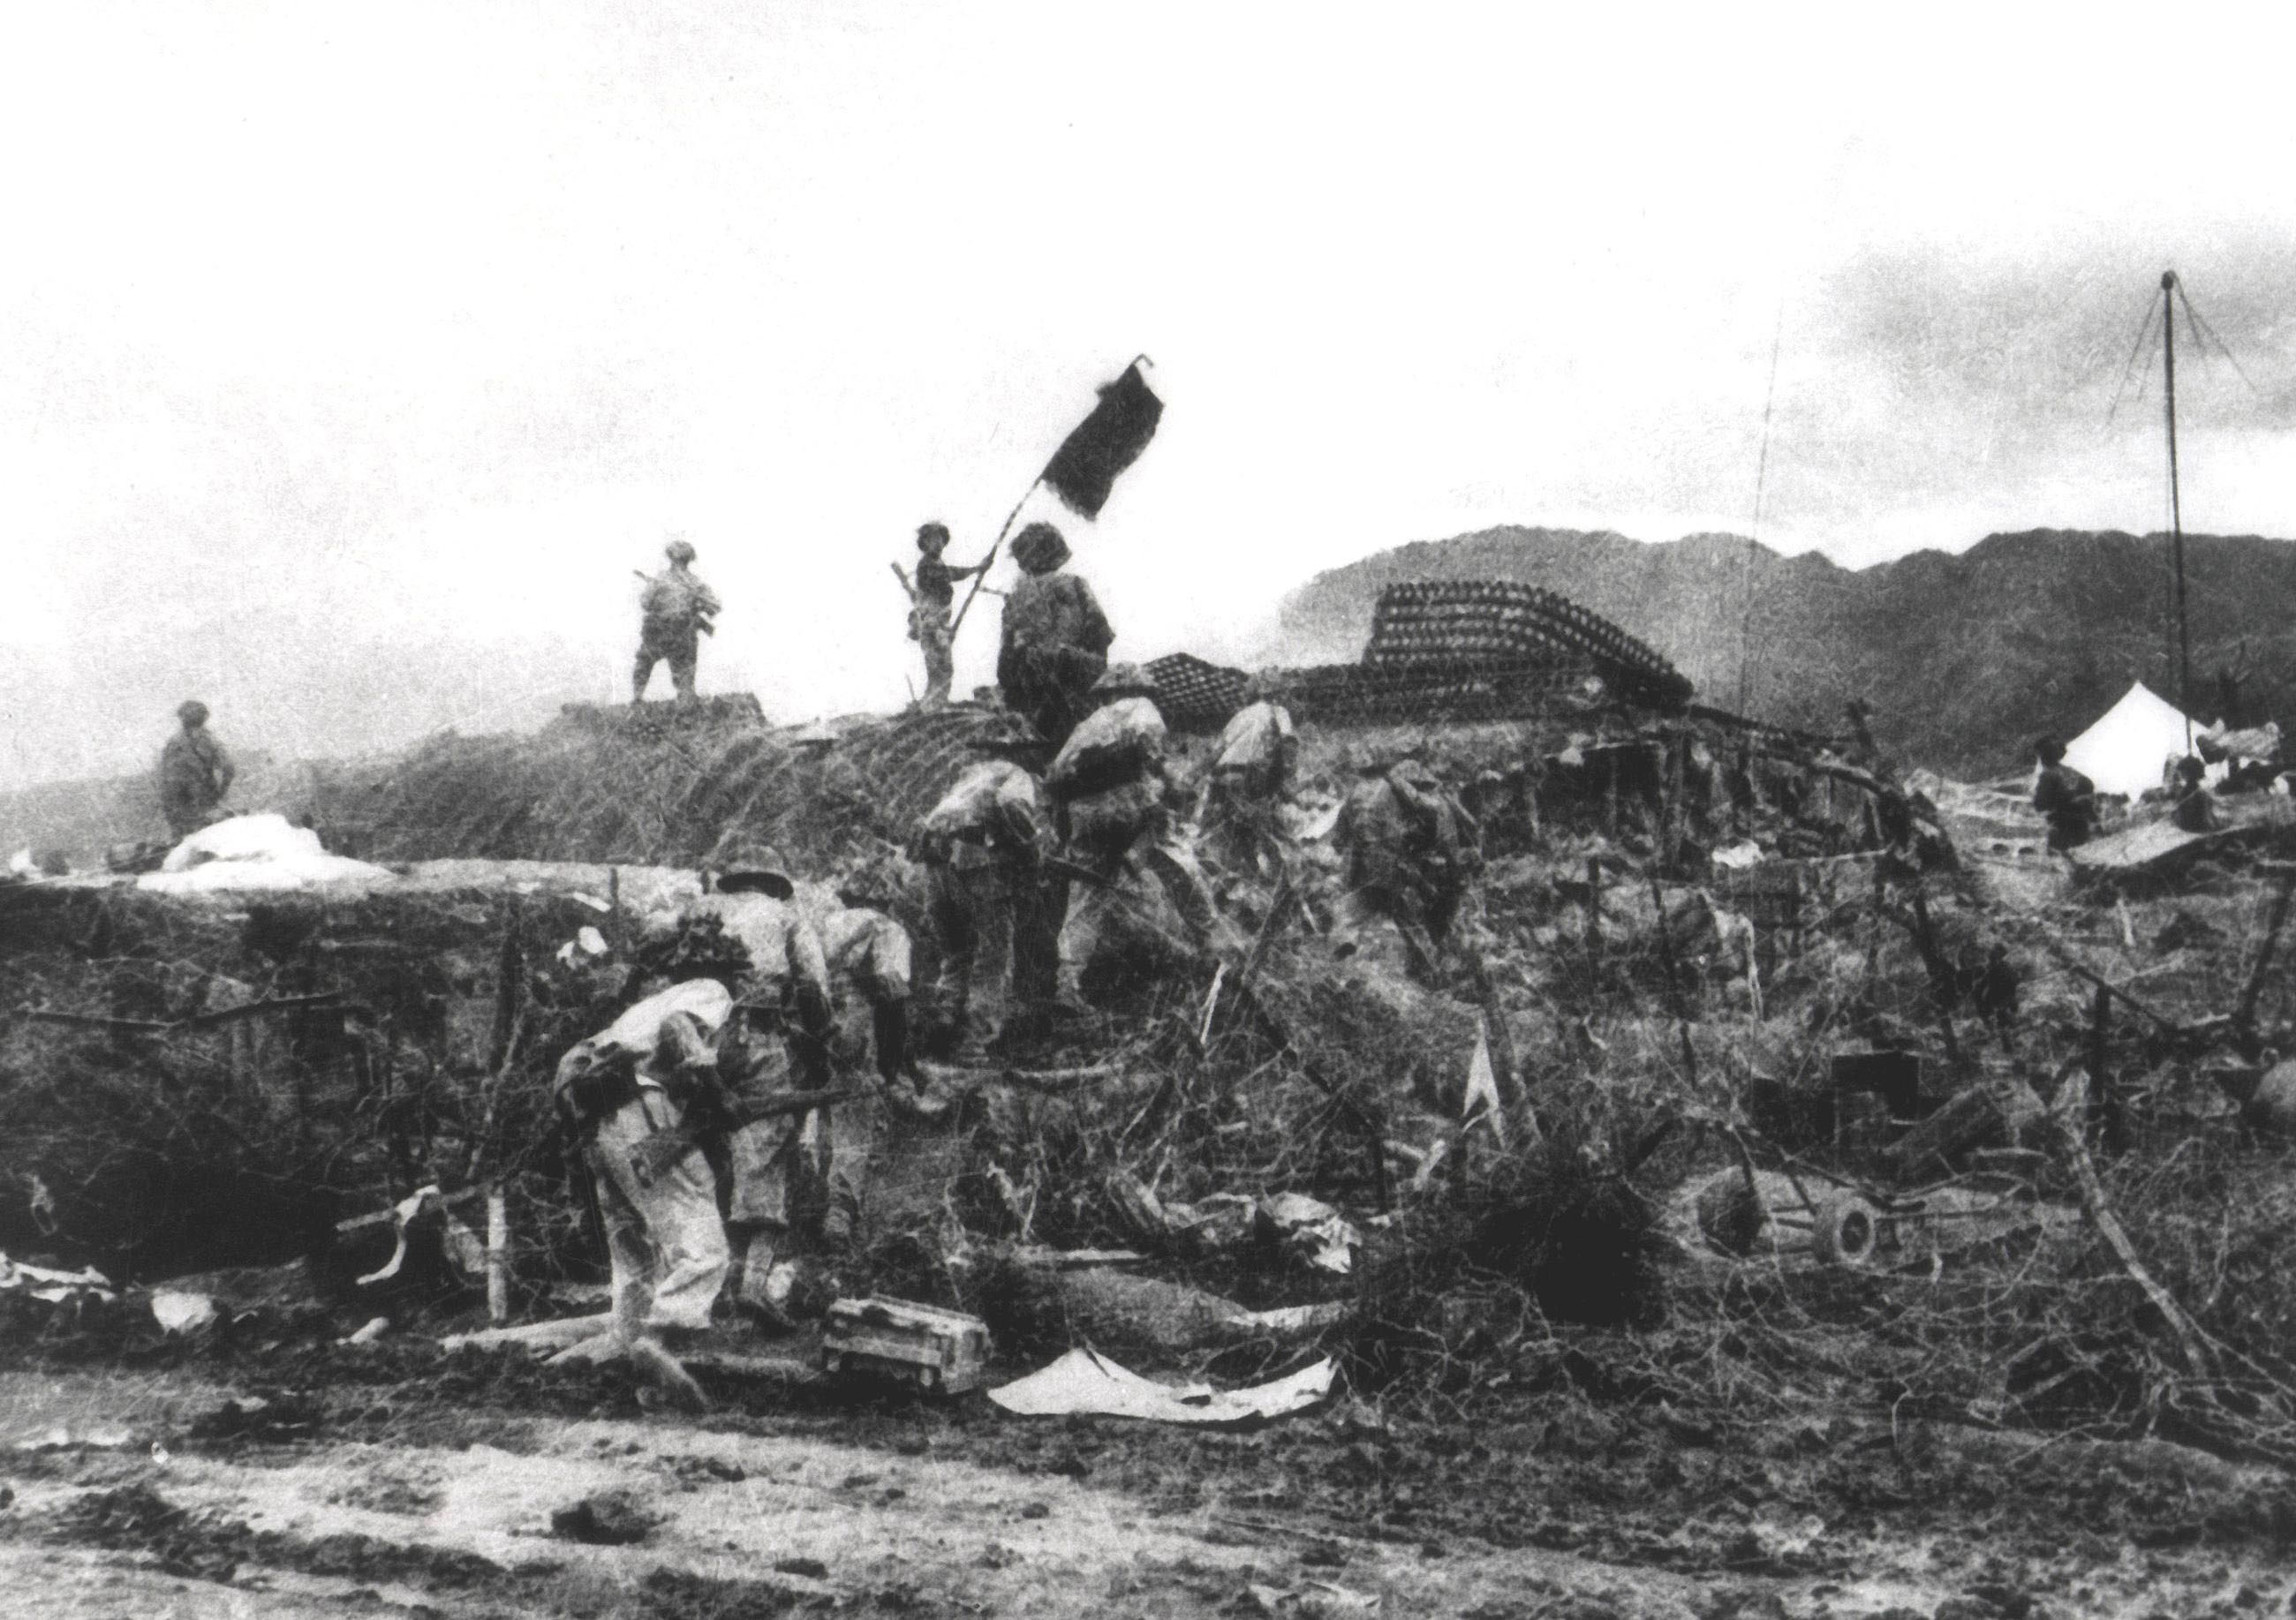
{"points": [[396, 1480]]}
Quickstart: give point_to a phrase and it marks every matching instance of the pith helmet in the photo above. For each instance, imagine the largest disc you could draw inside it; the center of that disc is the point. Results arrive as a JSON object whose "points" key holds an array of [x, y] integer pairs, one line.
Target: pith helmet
{"points": [[679, 550], [1040, 548], [748, 864], [193, 713], [1123, 680]]}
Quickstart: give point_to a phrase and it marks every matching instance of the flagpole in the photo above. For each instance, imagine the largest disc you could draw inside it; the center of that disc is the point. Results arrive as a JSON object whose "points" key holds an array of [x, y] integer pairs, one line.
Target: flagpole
{"points": [[981, 578], [2176, 504]]}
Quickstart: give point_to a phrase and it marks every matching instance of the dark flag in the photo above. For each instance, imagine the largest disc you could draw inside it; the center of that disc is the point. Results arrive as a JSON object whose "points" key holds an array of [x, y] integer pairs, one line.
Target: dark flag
{"points": [[1105, 443]]}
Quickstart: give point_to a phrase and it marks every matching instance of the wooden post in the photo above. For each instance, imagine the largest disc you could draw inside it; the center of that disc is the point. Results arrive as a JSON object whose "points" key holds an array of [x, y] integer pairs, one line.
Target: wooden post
{"points": [[2105, 1100], [1595, 912], [1677, 827], [498, 1255], [1940, 977], [2244, 1018]]}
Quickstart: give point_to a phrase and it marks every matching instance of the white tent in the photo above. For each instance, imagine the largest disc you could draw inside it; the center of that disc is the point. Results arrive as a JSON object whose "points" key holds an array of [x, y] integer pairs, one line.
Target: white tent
{"points": [[2128, 750]]}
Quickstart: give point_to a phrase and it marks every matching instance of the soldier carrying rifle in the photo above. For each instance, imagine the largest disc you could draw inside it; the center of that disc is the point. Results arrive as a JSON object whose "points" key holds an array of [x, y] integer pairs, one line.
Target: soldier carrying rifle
{"points": [[678, 609]]}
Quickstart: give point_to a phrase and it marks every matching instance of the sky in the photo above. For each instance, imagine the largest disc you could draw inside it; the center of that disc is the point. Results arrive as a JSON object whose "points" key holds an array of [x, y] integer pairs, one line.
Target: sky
{"points": [[352, 356]]}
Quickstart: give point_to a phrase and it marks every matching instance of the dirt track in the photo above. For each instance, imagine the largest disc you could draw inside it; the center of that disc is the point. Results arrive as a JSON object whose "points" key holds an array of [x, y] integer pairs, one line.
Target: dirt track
{"points": [[392, 1507]]}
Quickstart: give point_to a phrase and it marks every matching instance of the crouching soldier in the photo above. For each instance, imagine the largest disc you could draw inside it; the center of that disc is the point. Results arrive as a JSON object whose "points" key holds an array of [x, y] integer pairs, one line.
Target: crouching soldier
{"points": [[640, 1099], [1411, 853], [776, 1043], [1251, 771], [1109, 784], [981, 847], [2065, 797]]}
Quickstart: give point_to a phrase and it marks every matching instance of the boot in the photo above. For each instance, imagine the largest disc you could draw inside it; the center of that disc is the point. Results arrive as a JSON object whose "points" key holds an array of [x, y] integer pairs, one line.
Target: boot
{"points": [[763, 1290]]}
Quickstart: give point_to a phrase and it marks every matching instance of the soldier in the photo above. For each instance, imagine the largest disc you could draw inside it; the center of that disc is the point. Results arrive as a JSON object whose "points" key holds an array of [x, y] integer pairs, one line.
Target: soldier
{"points": [[935, 593], [195, 773], [636, 1098], [1108, 781], [1251, 771], [1411, 851], [981, 848], [2196, 807], [776, 1042], [679, 609], [1056, 638], [2064, 796]]}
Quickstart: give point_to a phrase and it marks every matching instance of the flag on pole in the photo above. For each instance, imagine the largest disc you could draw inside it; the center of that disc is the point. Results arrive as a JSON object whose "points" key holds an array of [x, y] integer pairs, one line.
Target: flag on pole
{"points": [[1085, 468]]}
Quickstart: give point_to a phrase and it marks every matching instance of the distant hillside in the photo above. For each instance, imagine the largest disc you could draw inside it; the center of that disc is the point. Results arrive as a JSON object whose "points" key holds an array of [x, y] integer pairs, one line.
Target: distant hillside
{"points": [[1966, 658]]}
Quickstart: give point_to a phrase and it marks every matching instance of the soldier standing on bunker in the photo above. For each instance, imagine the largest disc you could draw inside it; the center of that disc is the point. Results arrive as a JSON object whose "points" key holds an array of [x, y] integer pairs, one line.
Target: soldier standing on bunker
{"points": [[777, 1041], [1056, 638], [678, 610], [1411, 852], [1109, 782], [1251, 771], [936, 592], [195, 772], [2064, 796], [981, 847]]}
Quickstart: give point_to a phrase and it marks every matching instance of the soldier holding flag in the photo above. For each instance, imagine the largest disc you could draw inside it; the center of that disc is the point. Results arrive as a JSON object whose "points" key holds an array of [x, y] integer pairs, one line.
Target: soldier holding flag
{"points": [[934, 594], [1056, 638]]}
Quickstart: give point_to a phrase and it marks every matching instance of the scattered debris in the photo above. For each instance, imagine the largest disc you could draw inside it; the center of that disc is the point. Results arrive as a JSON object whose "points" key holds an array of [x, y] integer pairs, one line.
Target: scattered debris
{"points": [[942, 1351], [181, 1313], [607, 1518], [1085, 1381], [52, 1285]]}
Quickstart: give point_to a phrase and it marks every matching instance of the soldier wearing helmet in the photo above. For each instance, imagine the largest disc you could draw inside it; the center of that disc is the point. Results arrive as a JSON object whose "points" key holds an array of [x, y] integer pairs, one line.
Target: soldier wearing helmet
{"points": [[981, 846], [935, 594], [1056, 638], [1411, 850], [195, 773], [1111, 785], [677, 611], [776, 1042], [1252, 771]]}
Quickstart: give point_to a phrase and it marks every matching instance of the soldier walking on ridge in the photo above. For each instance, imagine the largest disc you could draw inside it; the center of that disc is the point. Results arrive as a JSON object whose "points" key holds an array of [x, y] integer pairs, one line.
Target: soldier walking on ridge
{"points": [[678, 609]]}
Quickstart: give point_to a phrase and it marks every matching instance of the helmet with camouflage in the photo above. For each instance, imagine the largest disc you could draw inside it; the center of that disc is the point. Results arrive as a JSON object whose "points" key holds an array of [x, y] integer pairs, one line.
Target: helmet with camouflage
{"points": [[748, 864], [933, 538], [1122, 681], [1411, 769], [1040, 549], [193, 713], [678, 550]]}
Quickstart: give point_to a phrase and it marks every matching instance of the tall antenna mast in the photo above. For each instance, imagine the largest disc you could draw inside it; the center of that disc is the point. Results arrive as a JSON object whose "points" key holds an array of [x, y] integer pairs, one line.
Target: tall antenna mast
{"points": [[2176, 504]]}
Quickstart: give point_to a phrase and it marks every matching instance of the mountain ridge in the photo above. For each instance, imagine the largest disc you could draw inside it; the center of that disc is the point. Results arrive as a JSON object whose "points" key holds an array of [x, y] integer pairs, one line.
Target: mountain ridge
{"points": [[1964, 656]]}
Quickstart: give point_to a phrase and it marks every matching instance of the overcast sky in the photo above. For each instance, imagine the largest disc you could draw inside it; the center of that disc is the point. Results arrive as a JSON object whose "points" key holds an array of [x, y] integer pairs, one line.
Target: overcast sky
{"points": [[350, 358]]}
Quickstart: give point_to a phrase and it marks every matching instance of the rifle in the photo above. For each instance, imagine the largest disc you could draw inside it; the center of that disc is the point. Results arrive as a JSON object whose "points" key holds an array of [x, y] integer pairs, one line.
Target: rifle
{"points": [[657, 1154], [701, 621]]}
